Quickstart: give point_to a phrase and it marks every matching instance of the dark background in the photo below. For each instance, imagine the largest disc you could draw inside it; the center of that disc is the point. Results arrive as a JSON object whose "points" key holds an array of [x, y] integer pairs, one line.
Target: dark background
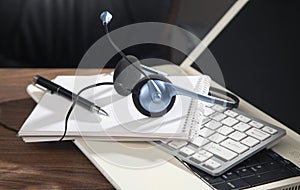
{"points": [[257, 51], [259, 56]]}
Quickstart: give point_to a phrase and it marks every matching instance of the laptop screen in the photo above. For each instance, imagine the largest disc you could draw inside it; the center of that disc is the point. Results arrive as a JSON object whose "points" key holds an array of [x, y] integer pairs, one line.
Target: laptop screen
{"points": [[205, 19], [199, 17], [226, 48]]}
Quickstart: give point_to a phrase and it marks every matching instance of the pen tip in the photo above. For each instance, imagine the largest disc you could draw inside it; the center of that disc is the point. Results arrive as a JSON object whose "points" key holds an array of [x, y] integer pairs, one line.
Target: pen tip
{"points": [[102, 112]]}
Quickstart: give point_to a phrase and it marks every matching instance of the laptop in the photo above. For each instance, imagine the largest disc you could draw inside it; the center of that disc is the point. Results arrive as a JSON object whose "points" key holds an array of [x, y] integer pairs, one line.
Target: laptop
{"points": [[285, 152]]}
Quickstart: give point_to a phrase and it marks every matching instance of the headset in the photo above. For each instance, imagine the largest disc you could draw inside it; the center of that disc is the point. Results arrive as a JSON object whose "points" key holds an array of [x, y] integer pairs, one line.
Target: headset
{"points": [[152, 93]]}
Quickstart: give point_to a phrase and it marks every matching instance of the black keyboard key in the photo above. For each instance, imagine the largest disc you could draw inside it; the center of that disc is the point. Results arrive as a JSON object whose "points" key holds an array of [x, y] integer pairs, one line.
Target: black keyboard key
{"points": [[259, 168], [235, 184], [213, 180], [223, 186], [272, 165], [264, 158], [230, 176], [216, 180], [238, 184], [268, 177], [244, 172]]}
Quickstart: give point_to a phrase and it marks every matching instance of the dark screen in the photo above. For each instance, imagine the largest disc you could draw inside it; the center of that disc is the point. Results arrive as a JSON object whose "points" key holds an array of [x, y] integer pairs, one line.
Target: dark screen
{"points": [[258, 53]]}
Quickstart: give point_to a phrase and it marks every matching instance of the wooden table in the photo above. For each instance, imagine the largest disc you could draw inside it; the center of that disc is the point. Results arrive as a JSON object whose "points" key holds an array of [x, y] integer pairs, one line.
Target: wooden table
{"points": [[54, 165]]}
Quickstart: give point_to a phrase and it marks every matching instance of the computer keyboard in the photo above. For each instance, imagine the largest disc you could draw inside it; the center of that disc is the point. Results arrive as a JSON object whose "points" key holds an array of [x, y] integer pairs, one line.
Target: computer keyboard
{"points": [[225, 138], [264, 167]]}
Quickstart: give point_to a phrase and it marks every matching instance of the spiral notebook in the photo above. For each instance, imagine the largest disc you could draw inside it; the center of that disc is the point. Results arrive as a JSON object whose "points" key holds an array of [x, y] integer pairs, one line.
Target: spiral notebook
{"points": [[46, 122]]}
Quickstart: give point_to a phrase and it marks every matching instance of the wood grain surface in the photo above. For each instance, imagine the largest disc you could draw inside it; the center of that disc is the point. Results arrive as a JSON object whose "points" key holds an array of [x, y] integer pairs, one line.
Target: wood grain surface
{"points": [[54, 165], [13, 82]]}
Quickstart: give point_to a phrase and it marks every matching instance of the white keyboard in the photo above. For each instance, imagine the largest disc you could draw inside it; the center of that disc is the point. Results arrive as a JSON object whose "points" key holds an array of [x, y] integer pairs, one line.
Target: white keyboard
{"points": [[226, 138]]}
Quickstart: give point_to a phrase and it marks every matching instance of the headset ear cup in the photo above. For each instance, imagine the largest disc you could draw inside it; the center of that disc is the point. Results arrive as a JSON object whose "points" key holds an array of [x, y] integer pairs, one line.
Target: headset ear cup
{"points": [[136, 97], [126, 75]]}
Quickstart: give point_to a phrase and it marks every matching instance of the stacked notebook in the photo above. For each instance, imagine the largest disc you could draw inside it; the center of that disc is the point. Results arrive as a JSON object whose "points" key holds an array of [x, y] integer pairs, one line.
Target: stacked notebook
{"points": [[125, 123]]}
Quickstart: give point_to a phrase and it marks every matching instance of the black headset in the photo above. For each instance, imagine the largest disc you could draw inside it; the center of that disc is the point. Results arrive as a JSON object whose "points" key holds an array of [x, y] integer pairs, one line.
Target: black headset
{"points": [[152, 93]]}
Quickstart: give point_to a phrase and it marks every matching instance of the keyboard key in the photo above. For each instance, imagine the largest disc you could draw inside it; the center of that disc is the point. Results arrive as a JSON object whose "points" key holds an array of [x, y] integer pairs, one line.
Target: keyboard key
{"points": [[256, 124], [236, 135], [216, 180], [217, 138], [249, 141], [217, 116], [212, 164], [243, 172], [213, 125], [231, 113], [242, 127], [204, 120], [199, 141], [185, 151], [258, 134], [229, 121], [201, 156], [269, 130], [219, 108], [258, 169], [177, 144], [243, 118], [225, 130], [220, 151], [223, 186], [208, 111], [238, 184], [234, 184], [230, 176], [271, 165], [268, 177], [205, 132], [234, 146]]}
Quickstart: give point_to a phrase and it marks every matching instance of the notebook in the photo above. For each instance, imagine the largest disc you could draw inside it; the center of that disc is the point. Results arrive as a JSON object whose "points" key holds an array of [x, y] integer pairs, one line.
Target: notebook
{"points": [[46, 122]]}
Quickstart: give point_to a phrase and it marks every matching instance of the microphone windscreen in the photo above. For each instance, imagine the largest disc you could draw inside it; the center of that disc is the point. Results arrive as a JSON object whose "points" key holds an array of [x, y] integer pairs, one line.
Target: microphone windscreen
{"points": [[126, 75], [105, 17]]}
